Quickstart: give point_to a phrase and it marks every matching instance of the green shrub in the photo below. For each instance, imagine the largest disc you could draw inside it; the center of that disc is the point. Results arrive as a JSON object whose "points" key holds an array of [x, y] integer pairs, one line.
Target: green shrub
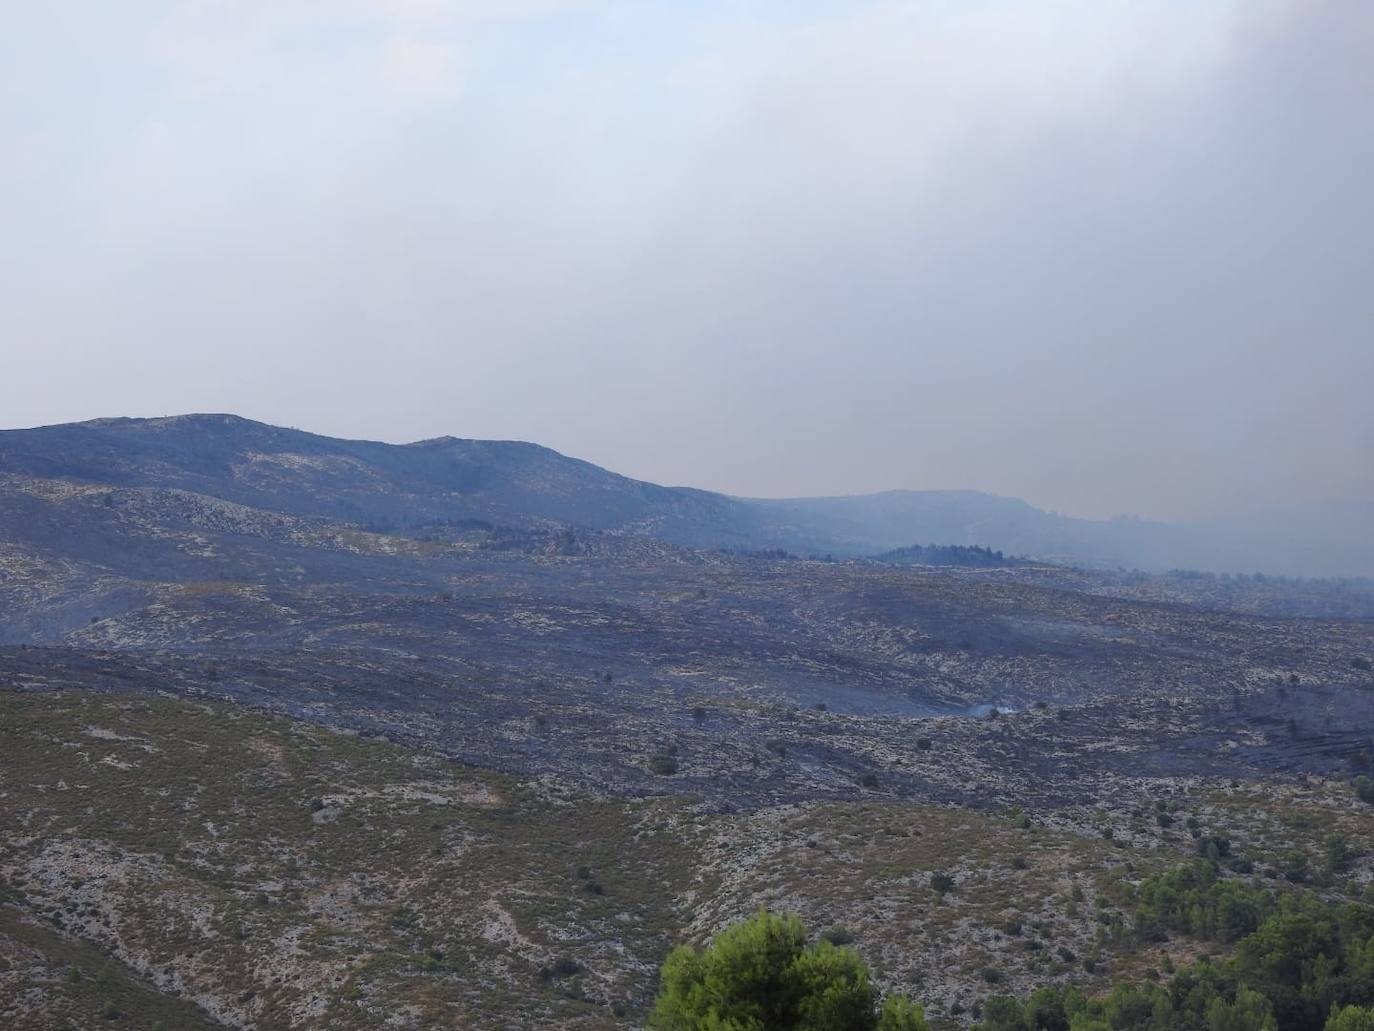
{"points": [[1350, 1018], [1339, 854], [560, 968], [1213, 848], [1364, 789], [1295, 866], [662, 765], [762, 974]]}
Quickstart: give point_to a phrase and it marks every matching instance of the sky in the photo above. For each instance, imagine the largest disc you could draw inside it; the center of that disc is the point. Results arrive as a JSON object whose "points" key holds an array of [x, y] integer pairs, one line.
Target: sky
{"points": [[1111, 256]]}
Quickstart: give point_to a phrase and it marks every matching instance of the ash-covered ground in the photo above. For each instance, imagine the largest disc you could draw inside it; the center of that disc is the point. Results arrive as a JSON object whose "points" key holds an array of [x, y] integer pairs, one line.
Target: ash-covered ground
{"points": [[635, 667]]}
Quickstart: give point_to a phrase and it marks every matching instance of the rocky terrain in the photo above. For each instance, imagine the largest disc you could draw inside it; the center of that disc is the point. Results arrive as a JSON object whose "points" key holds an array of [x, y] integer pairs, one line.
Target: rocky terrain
{"points": [[293, 737], [200, 865]]}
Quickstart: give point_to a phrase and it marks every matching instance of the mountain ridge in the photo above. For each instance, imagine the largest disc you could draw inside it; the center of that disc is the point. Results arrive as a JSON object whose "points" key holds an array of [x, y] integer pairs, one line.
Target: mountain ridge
{"points": [[448, 479]]}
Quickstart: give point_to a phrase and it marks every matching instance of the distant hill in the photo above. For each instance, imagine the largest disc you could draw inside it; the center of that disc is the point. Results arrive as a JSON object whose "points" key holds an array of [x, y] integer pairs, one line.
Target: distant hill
{"points": [[449, 481], [1314, 540]]}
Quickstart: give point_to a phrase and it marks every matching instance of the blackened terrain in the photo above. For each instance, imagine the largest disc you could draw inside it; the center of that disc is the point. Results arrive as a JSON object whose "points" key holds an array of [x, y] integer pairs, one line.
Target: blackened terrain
{"points": [[616, 716], [515, 610]]}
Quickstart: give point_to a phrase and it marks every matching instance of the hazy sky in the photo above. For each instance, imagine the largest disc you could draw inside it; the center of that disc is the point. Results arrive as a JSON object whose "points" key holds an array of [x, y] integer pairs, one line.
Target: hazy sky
{"points": [[1108, 256]]}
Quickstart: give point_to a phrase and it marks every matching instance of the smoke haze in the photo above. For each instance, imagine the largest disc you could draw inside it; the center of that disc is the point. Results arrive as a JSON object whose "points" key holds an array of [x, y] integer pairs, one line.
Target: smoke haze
{"points": [[1107, 256]]}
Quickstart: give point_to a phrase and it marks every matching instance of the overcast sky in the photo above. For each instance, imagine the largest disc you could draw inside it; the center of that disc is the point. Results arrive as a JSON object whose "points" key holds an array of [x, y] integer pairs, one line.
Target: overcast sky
{"points": [[1108, 256]]}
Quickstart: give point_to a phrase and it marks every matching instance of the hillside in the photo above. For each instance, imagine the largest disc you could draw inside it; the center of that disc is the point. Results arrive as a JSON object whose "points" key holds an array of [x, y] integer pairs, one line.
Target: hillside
{"points": [[392, 734], [509, 647], [414, 488], [378, 486], [188, 864]]}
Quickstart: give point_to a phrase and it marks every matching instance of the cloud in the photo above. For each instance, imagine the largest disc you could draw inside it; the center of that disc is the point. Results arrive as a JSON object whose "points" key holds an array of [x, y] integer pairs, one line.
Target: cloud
{"points": [[422, 69], [298, 50], [1061, 269]]}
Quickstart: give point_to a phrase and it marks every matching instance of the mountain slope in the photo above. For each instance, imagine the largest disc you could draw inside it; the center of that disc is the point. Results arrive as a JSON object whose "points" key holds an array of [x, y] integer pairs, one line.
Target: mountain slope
{"points": [[413, 488], [406, 488]]}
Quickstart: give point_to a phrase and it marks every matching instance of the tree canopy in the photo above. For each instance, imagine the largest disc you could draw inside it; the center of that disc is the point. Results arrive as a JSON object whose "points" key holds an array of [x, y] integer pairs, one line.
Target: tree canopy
{"points": [[764, 975]]}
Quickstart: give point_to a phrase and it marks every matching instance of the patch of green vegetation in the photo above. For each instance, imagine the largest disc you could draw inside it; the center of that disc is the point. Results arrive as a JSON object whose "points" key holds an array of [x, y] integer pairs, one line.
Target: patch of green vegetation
{"points": [[662, 765], [1303, 963], [764, 973]]}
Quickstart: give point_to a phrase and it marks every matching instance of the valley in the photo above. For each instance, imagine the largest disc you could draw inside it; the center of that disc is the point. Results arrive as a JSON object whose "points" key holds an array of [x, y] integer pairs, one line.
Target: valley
{"points": [[289, 769]]}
